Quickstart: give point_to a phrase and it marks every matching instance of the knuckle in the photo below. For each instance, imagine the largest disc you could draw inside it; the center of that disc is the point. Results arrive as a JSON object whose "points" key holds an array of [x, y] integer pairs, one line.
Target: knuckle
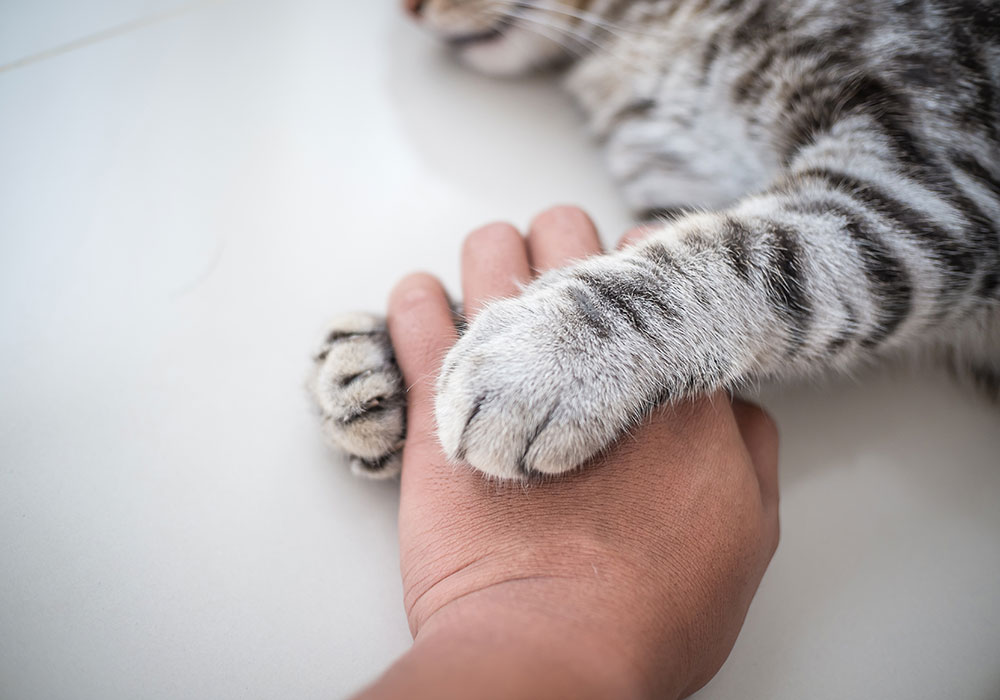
{"points": [[757, 421], [764, 423], [767, 425]]}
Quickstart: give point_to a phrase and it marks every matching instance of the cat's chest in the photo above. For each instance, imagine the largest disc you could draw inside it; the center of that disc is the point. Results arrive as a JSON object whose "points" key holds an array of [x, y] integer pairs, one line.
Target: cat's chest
{"points": [[672, 133]]}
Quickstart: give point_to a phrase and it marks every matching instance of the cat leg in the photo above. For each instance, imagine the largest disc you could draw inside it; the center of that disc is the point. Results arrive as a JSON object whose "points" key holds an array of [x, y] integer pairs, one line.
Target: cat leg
{"points": [[358, 390], [826, 269]]}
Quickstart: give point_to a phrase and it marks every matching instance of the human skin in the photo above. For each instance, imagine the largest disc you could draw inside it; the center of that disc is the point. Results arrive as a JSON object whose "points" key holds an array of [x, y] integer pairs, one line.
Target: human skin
{"points": [[630, 578]]}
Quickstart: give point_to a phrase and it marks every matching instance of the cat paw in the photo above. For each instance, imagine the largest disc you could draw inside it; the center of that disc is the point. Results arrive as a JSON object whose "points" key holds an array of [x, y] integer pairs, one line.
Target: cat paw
{"points": [[358, 390], [541, 383]]}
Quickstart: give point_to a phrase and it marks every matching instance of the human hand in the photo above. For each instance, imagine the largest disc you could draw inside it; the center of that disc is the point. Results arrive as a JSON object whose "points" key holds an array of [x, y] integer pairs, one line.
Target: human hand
{"points": [[630, 578]]}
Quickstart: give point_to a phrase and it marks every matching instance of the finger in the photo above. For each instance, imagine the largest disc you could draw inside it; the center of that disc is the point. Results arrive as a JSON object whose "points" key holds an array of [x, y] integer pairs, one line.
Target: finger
{"points": [[633, 236], [760, 434], [421, 329], [494, 265], [560, 235]]}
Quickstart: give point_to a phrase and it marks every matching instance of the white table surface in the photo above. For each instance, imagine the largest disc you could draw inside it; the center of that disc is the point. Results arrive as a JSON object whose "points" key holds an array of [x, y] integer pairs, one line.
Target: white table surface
{"points": [[185, 196]]}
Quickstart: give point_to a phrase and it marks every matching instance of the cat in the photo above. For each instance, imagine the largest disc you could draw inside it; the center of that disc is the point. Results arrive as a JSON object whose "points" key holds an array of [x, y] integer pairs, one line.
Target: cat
{"points": [[826, 181]]}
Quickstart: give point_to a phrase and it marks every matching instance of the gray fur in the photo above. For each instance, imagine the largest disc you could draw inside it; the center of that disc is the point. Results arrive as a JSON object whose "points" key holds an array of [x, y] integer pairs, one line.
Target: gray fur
{"points": [[840, 163]]}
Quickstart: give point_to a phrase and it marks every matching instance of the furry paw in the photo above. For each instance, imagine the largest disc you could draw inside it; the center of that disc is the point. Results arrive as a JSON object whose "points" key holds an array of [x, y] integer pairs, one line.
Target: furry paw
{"points": [[359, 392], [541, 383]]}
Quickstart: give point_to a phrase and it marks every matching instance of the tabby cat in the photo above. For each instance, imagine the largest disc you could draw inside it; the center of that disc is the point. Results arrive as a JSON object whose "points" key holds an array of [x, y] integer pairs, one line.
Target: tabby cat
{"points": [[826, 180]]}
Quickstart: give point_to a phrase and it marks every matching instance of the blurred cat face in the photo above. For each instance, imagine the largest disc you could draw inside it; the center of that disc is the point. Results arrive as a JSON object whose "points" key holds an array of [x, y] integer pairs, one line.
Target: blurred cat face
{"points": [[507, 37]]}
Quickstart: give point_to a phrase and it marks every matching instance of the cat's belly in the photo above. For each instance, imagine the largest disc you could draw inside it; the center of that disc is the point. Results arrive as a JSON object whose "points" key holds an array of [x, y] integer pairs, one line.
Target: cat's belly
{"points": [[660, 164]]}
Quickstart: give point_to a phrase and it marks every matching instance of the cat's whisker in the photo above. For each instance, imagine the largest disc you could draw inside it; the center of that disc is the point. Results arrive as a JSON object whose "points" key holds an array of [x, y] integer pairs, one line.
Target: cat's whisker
{"points": [[584, 42], [517, 18], [546, 33], [555, 33], [593, 20], [587, 18]]}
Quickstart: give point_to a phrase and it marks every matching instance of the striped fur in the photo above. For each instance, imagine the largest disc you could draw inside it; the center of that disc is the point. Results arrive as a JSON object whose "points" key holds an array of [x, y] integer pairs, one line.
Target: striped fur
{"points": [[839, 163]]}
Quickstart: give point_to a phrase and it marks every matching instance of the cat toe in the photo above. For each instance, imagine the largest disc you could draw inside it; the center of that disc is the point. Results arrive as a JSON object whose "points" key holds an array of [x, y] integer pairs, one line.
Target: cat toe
{"points": [[387, 467]]}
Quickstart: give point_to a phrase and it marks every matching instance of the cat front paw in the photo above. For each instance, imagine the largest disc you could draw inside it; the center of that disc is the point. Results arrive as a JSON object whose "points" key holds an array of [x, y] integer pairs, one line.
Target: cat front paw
{"points": [[541, 383], [357, 388]]}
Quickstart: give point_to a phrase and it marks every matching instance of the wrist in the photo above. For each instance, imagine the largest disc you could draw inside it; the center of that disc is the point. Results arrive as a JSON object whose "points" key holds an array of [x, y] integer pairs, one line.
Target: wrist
{"points": [[527, 639]]}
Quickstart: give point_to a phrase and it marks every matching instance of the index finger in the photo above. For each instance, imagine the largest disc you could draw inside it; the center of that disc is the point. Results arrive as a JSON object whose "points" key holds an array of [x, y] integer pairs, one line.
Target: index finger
{"points": [[422, 331]]}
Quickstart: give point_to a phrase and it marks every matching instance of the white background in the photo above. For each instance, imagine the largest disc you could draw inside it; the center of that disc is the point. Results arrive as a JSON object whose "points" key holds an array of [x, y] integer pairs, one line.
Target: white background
{"points": [[185, 199]]}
